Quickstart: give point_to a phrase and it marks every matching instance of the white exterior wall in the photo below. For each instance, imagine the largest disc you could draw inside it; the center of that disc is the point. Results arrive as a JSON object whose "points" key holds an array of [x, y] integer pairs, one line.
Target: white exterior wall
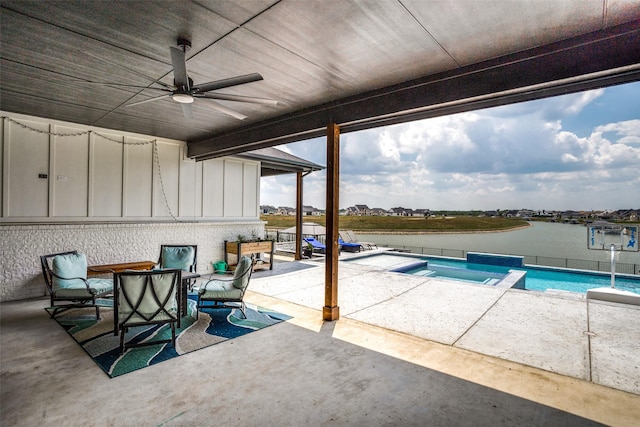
{"points": [[91, 178], [22, 245], [113, 201]]}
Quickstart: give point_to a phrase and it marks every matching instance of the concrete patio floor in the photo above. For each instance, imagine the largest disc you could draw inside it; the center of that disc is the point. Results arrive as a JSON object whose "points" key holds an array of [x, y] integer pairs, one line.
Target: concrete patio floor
{"points": [[559, 332], [406, 351]]}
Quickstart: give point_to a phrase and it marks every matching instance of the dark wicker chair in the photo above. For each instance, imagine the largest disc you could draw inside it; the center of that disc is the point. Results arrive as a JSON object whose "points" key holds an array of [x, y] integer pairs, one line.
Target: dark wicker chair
{"points": [[145, 298], [65, 276]]}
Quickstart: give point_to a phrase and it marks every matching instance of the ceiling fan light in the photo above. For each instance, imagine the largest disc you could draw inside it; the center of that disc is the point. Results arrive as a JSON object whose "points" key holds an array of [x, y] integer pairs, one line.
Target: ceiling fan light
{"points": [[182, 98]]}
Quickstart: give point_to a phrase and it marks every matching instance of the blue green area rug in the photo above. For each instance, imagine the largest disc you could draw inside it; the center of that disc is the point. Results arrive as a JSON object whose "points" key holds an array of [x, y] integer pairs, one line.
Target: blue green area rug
{"points": [[212, 327]]}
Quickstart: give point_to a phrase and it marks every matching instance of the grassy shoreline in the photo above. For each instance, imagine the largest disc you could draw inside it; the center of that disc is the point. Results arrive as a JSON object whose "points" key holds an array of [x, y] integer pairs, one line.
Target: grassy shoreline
{"points": [[406, 225]]}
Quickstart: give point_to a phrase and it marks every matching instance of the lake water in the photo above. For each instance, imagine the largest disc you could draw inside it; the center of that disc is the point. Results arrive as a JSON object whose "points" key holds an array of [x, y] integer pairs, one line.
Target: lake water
{"points": [[542, 239]]}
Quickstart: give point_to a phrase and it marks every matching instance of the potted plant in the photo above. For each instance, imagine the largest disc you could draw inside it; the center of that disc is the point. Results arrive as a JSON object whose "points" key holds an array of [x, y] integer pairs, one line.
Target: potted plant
{"points": [[307, 250]]}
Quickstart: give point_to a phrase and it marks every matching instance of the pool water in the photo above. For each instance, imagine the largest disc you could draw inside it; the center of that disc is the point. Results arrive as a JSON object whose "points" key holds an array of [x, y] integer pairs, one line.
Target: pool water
{"points": [[447, 272], [537, 278], [541, 279]]}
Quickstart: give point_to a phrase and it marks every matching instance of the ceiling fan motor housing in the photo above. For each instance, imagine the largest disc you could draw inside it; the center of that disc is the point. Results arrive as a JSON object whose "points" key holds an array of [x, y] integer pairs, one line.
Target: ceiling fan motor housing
{"points": [[184, 44], [182, 88]]}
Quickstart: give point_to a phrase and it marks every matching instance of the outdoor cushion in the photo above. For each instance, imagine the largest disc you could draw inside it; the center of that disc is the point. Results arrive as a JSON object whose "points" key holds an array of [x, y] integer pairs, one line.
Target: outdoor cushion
{"points": [[134, 287], [343, 243], [316, 244], [71, 266], [217, 289], [78, 290], [181, 258], [349, 247], [240, 278]]}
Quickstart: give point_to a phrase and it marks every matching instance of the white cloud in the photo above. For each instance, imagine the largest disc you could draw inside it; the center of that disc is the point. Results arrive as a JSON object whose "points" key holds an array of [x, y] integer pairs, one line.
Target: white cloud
{"points": [[508, 157], [628, 131], [577, 102]]}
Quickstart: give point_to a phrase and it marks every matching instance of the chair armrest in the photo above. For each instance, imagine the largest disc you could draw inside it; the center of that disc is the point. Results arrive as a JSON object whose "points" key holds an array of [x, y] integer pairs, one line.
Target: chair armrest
{"points": [[217, 280], [215, 274], [86, 283]]}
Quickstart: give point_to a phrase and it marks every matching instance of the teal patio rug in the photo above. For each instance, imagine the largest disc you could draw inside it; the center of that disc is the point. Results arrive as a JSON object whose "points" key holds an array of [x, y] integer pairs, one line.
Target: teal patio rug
{"points": [[212, 327]]}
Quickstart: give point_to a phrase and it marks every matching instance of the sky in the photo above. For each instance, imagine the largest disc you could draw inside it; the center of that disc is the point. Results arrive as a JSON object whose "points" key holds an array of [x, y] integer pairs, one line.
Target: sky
{"points": [[573, 152]]}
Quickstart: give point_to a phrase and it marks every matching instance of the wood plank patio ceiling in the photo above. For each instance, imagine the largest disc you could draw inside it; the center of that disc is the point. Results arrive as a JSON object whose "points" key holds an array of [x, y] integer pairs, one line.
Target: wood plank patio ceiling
{"points": [[359, 63]]}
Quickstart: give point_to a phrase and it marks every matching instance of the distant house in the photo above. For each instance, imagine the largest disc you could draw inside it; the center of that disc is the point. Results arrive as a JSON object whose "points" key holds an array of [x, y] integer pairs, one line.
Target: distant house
{"points": [[421, 212], [310, 211], [378, 212], [525, 213], [268, 210], [284, 210], [400, 211], [351, 210], [363, 210], [633, 215], [360, 210]]}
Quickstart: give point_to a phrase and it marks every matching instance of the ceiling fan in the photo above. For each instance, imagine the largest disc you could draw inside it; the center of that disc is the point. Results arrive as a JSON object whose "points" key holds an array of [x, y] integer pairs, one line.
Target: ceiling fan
{"points": [[185, 92]]}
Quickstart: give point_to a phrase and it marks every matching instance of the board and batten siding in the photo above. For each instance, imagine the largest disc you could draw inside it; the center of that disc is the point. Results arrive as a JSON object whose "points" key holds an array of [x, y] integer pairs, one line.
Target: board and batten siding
{"points": [[91, 178], [65, 188]]}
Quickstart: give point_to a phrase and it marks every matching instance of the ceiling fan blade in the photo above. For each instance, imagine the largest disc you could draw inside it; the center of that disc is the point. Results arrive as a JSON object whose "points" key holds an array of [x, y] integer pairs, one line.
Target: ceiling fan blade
{"points": [[157, 98], [222, 109], [120, 85], [179, 67], [187, 111], [238, 98], [221, 84]]}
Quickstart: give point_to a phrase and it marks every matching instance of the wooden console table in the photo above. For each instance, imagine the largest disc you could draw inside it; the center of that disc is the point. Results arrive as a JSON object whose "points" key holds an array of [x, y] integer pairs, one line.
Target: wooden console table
{"points": [[239, 249], [94, 270]]}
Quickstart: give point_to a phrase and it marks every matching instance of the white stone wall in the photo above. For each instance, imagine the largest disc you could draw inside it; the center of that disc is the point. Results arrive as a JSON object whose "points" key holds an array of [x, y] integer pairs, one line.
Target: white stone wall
{"points": [[22, 245]]}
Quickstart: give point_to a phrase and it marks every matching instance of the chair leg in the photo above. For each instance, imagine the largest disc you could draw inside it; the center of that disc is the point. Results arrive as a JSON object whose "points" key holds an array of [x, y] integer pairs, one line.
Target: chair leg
{"points": [[122, 331], [173, 334], [243, 307]]}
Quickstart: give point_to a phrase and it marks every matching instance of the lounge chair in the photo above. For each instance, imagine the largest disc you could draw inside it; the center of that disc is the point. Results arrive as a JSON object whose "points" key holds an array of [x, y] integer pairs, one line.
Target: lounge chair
{"points": [[65, 275], [348, 246], [350, 237], [317, 246]]}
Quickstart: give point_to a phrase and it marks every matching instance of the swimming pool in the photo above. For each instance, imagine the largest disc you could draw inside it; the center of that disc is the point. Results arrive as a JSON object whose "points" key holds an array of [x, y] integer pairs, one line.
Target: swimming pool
{"points": [[430, 269], [537, 278]]}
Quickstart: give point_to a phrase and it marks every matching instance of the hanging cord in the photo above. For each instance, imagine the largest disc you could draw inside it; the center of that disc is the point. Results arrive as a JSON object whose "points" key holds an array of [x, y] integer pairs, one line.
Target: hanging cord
{"points": [[117, 141], [164, 195], [156, 157], [44, 132]]}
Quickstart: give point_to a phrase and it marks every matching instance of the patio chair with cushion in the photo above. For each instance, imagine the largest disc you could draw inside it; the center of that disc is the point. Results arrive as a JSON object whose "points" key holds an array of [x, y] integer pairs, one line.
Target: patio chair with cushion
{"points": [[227, 293], [182, 257], [350, 237], [349, 247], [65, 276], [144, 298], [316, 245]]}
